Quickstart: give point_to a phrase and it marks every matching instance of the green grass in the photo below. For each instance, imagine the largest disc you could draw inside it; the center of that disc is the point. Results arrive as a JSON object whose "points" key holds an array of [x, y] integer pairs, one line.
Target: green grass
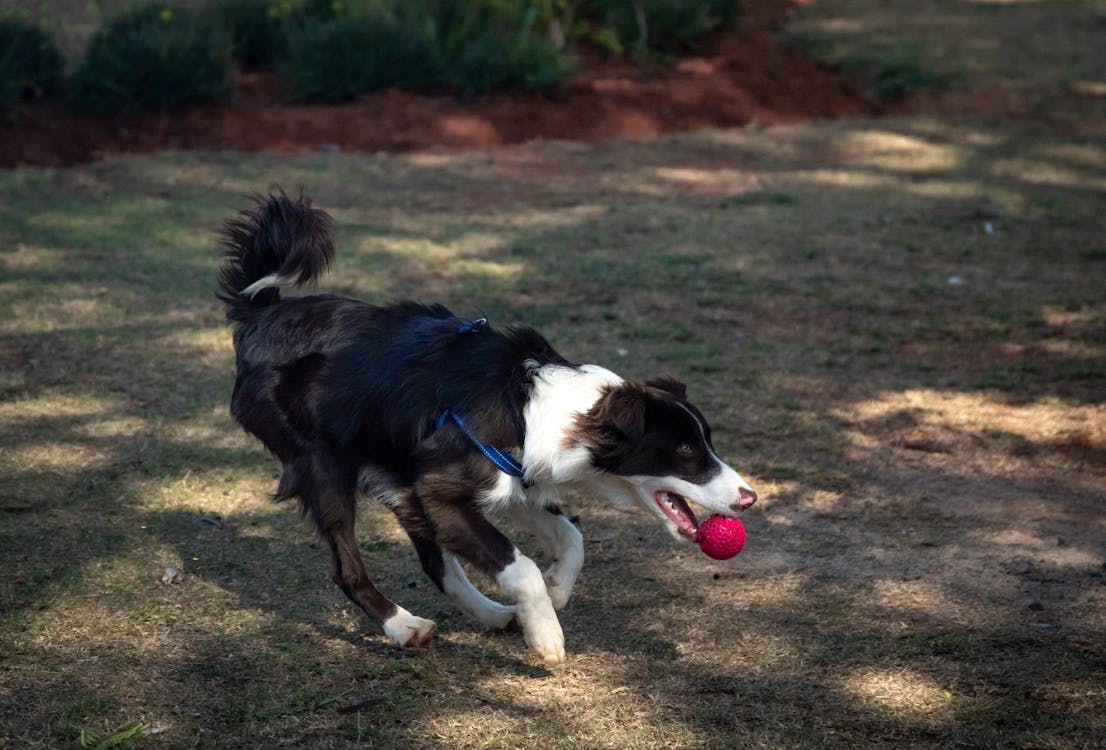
{"points": [[93, 740], [892, 67], [1036, 49]]}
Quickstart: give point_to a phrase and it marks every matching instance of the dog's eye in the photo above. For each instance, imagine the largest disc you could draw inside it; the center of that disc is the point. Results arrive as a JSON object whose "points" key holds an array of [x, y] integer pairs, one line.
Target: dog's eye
{"points": [[685, 449]]}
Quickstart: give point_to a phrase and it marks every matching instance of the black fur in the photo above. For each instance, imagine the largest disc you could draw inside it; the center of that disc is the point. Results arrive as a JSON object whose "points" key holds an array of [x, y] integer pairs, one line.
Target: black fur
{"points": [[334, 385], [279, 236]]}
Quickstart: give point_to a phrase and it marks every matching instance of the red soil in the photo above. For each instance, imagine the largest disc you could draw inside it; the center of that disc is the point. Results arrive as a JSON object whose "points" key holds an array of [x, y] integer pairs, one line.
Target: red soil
{"points": [[748, 76]]}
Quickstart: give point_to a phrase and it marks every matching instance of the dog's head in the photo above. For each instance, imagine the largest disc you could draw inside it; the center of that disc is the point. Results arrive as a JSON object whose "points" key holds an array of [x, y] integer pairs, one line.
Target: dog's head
{"points": [[658, 444]]}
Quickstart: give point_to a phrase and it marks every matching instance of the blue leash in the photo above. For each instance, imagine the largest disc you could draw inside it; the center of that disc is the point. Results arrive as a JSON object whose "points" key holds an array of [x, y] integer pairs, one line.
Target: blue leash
{"points": [[503, 460], [477, 325]]}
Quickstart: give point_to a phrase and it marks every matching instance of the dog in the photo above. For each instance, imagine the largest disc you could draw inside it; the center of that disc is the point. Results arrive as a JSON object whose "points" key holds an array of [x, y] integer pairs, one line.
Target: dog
{"points": [[425, 412]]}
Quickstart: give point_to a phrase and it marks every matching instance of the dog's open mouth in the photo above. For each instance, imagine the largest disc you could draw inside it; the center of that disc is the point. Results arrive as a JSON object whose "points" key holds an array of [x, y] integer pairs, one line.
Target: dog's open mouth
{"points": [[675, 507]]}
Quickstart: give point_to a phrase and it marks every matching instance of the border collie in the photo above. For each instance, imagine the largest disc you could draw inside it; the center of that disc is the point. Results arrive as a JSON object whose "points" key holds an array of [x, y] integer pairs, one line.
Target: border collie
{"points": [[426, 412]]}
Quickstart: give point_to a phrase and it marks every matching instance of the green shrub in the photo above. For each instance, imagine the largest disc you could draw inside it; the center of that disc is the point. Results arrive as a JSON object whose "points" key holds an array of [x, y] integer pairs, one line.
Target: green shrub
{"points": [[453, 25], [330, 10], [256, 28], [336, 51], [670, 25], [153, 58], [484, 45], [493, 62], [30, 64], [336, 60], [321, 10], [537, 63]]}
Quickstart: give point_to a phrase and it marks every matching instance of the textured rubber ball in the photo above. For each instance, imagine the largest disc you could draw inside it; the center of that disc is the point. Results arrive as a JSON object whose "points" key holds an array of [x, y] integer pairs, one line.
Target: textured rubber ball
{"points": [[720, 537]]}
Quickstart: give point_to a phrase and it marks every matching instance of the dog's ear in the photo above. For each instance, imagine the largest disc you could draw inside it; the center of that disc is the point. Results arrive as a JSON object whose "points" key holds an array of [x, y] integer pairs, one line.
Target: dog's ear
{"points": [[621, 416], [614, 425], [670, 385]]}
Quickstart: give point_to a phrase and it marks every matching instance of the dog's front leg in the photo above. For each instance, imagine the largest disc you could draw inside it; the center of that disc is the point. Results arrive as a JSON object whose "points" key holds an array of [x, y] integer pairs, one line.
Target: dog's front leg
{"points": [[562, 541], [522, 581], [461, 529]]}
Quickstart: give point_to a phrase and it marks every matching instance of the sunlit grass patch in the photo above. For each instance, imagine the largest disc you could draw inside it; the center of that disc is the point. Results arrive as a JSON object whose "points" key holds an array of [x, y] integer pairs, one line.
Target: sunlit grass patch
{"points": [[56, 405], [975, 412], [58, 455], [899, 692], [1047, 170], [895, 152]]}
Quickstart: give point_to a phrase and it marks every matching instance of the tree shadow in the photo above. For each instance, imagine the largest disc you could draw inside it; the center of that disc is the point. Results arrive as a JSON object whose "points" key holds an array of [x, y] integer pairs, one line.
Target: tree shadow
{"points": [[873, 571]]}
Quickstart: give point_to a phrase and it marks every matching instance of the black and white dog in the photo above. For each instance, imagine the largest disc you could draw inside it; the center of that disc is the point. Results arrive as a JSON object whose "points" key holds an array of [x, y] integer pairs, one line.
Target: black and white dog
{"points": [[422, 410]]}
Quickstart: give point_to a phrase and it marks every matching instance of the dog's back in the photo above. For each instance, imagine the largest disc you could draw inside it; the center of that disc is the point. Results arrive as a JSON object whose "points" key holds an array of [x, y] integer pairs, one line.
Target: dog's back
{"points": [[366, 382]]}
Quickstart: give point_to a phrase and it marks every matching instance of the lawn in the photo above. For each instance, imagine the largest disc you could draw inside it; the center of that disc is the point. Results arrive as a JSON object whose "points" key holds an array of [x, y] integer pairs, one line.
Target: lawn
{"points": [[896, 326]]}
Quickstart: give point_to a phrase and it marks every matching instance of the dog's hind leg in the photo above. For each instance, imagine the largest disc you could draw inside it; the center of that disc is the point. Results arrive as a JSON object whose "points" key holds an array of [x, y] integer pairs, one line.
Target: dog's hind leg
{"points": [[329, 495], [562, 541], [401, 627]]}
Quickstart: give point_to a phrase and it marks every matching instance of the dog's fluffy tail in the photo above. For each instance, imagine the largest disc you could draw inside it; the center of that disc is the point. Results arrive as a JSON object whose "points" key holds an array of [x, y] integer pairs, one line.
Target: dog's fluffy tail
{"points": [[281, 242]]}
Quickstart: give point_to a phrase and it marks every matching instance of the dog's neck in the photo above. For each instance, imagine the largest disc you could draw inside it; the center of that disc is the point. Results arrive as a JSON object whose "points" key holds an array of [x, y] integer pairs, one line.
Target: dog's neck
{"points": [[560, 394]]}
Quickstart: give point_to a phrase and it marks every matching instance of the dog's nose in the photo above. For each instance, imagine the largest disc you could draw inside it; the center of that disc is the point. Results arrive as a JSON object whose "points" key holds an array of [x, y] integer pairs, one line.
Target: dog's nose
{"points": [[746, 497]]}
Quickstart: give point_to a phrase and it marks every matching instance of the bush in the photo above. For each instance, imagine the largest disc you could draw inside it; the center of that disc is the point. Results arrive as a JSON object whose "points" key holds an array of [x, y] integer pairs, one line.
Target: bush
{"points": [[338, 59], [485, 45], [256, 29], [670, 25], [153, 58], [474, 45], [454, 25], [500, 61], [30, 64]]}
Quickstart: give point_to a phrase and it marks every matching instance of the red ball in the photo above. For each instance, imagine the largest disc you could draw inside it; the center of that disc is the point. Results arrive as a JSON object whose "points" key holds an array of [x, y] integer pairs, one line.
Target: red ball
{"points": [[720, 537]]}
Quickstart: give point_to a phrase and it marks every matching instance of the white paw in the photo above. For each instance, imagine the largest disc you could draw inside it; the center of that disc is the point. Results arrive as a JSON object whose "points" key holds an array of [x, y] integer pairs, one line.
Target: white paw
{"points": [[522, 581], [544, 635], [407, 630]]}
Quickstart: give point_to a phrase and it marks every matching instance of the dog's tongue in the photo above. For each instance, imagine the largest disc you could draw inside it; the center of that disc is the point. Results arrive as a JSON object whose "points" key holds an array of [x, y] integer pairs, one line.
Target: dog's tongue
{"points": [[678, 510]]}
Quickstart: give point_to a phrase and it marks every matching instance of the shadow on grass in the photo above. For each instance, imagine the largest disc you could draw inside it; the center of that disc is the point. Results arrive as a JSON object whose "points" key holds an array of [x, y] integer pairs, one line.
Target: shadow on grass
{"points": [[868, 618]]}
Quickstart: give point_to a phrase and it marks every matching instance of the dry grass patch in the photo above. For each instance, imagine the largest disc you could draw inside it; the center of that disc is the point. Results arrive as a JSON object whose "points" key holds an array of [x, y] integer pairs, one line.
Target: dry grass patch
{"points": [[925, 567]]}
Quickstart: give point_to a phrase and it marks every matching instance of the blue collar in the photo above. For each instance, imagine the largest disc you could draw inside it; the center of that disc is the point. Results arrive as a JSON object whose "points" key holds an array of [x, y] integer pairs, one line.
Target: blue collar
{"points": [[502, 460]]}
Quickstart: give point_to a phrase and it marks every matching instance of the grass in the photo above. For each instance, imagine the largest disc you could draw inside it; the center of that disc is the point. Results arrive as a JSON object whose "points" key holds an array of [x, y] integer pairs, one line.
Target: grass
{"points": [[924, 569], [1034, 49], [863, 607]]}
